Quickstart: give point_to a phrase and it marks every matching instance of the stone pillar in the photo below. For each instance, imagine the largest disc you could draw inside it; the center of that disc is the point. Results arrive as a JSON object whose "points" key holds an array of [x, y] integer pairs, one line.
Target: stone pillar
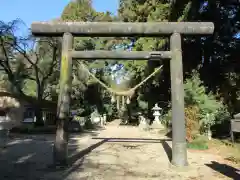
{"points": [[179, 145], [60, 152]]}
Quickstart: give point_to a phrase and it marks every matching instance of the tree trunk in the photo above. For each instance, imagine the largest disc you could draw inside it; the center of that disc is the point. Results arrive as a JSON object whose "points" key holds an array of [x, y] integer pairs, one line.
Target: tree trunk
{"points": [[38, 107]]}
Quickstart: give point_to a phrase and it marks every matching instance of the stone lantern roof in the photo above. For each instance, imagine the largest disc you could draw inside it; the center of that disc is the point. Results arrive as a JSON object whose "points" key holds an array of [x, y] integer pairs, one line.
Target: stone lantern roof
{"points": [[156, 107]]}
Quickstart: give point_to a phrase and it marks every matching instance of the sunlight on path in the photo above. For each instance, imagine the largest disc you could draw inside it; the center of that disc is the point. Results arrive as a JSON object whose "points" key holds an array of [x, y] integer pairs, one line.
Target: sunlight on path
{"points": [[115, 153]]}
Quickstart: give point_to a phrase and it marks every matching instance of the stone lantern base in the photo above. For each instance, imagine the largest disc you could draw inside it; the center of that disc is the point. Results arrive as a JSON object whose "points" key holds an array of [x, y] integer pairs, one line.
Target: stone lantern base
{"points": [[157, 125]]}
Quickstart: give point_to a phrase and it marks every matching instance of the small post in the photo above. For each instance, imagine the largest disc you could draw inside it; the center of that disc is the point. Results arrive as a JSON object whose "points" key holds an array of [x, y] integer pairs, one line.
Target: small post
{"points": [[231, 131], [179, 145], [60, 151], [104, 119], [118, 103], [123, 102]]}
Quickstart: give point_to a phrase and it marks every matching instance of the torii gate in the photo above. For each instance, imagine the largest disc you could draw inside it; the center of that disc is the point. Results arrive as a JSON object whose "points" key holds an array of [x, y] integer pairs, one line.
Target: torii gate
{"points": [[122, 29]]}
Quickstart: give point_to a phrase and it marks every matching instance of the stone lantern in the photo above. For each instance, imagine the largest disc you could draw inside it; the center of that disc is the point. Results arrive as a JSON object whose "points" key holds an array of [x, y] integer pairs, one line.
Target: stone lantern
{"points": [[157, 112], [8, 105], [95, 117]]}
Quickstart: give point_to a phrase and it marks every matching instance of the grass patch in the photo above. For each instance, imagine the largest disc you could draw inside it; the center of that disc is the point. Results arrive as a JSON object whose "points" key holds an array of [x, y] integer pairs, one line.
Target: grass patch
{"points": [[200, 143]]}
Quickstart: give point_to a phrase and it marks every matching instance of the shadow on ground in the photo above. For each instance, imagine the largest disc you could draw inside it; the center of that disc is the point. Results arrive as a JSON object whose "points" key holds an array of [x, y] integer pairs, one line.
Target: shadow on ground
{"points": [[76, 161], [30, 158], [225, 170], [167, 148]]}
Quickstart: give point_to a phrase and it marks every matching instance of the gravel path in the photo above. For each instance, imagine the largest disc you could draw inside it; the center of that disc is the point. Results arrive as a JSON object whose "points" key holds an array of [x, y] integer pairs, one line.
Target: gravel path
{"points": [[116, 153]]}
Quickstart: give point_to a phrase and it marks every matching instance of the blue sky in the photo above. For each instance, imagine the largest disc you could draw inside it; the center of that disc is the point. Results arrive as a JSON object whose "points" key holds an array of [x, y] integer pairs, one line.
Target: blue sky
{"points": [[44, 10]]}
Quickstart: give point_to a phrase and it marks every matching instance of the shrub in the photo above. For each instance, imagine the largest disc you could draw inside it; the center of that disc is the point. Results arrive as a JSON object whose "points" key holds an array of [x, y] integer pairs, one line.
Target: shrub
{"points": [[192, 119], [202, 111], [88, 124], [143, 105], [210, 109], [111, 111]]}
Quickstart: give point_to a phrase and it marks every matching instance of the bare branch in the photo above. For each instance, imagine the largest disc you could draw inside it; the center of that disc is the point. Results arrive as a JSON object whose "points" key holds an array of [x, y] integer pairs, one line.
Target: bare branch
{"points": [[46, 94], [5, 62], [53, 64]]}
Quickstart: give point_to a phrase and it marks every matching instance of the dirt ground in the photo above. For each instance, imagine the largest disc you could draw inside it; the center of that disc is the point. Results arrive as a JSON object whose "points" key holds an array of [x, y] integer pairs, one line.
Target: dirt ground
{"points": [[115, 153]]}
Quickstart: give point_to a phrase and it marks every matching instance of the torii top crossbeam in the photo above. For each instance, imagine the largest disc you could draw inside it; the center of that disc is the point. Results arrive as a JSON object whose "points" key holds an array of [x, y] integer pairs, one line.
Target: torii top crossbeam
{"points": [[121, 29]]}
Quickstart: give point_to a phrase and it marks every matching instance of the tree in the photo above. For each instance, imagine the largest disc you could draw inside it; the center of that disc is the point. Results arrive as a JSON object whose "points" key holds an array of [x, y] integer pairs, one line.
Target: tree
{"points": [[221, 51], [82, 10], [216, 54], [149, 11], [29, 61]]}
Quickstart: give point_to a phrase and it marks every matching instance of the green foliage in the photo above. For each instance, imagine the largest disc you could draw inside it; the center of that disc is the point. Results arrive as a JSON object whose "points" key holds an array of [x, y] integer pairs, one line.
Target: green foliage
{"points": [[4, 82], [211, 109], [30, 63], [143, 11], [30, 88], [129, 11], [79, 10], [143, 105], [110, 110], [199, 143], [82, 10]]}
